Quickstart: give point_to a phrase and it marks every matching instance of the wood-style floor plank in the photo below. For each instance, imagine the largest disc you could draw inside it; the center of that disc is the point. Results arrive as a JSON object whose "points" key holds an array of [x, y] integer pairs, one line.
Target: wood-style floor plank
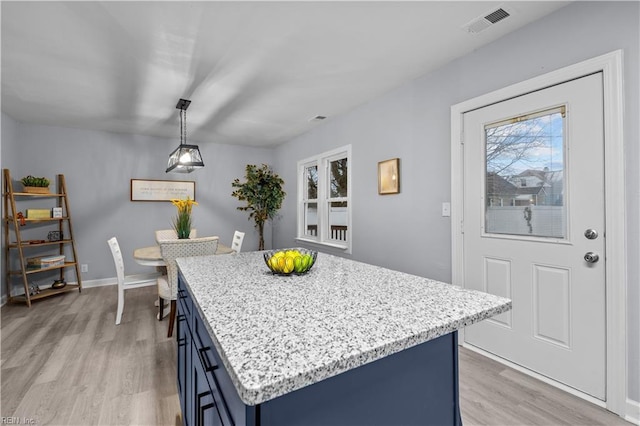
{"points": [[494, 394], [65, 362]]}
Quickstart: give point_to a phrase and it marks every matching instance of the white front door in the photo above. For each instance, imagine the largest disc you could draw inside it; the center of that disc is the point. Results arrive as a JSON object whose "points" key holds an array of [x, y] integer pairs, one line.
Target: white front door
{"points": [[533, 229]]}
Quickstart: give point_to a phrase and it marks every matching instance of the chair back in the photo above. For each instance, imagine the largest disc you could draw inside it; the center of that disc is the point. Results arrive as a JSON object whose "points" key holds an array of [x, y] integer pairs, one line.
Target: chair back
{"points": [[236, 243], [173, 249], [117, 259], [171, 234]]}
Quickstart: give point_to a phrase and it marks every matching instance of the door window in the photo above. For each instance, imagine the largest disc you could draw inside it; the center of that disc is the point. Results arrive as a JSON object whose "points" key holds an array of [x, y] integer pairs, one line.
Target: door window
{"points": [[525, 175]]}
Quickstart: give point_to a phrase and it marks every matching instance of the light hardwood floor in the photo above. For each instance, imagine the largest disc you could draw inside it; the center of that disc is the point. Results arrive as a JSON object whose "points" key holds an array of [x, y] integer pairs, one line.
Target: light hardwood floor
{"points": [[65, 362]]}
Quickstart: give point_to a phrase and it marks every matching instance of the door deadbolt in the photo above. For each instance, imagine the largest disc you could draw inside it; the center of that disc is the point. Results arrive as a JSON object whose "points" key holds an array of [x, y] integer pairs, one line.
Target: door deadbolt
{"points": [[591, 234], [591, 257]]}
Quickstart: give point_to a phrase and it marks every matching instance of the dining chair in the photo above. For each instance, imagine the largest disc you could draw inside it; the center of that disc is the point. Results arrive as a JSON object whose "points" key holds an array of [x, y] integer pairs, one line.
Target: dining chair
{"points": [[124, 283], [236, 243], [168, 284], [170, 234]]}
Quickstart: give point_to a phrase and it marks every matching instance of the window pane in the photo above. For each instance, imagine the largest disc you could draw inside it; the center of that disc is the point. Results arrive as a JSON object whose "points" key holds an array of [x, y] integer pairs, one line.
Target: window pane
{"points": [[525, 176], [338, 184], [311, 219], [338, 221], [311, 176]]}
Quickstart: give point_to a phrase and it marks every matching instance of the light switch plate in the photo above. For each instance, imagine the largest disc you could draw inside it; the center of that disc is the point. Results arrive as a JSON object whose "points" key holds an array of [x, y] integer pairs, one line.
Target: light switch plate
{"points": [[446, 209]]}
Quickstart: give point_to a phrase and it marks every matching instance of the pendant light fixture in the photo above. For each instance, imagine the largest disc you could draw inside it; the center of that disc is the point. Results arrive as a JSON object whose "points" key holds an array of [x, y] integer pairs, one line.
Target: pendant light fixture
{"points": [[185, 158]]}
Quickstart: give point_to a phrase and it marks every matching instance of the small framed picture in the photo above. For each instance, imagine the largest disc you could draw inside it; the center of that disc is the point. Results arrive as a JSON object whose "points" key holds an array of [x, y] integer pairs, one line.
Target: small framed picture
{"points": [[389, 176], [56, 212]]}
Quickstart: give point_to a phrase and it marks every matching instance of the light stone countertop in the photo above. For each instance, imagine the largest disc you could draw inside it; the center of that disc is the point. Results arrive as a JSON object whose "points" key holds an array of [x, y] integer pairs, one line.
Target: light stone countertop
{"points": [[276, 334]]}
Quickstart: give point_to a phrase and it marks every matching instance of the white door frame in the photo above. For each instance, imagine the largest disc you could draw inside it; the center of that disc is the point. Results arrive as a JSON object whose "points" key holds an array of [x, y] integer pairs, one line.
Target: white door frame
{"points": [[616, 263]]}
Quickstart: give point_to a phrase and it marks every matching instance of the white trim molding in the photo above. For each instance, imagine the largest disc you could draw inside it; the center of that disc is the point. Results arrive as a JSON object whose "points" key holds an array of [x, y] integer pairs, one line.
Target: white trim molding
{"points": [[139, 280], [610, 65], [633, 412]]}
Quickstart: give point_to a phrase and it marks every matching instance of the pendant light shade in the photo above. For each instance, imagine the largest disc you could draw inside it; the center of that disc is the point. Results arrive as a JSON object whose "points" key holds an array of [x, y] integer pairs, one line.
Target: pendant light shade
{"points": [[185, 158]]}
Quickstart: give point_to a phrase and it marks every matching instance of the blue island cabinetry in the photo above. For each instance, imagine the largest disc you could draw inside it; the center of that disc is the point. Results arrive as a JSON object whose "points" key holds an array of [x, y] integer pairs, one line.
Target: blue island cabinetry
{"points": [[203, 385], [415, 386], [347, 343]]}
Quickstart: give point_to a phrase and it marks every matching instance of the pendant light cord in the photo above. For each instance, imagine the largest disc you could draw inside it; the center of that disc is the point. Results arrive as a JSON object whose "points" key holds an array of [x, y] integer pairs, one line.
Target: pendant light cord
{"points": [[183, 127], [184, 112]]}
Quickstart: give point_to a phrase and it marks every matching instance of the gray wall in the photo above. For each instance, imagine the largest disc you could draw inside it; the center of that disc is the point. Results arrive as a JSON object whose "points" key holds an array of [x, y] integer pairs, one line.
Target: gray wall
{"points": [[406, 231], [98, 167]]}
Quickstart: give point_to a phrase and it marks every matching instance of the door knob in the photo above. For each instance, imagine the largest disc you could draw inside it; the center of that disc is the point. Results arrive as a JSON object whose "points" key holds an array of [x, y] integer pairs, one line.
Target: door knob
{"points": [[591, 234], [591, 257]]}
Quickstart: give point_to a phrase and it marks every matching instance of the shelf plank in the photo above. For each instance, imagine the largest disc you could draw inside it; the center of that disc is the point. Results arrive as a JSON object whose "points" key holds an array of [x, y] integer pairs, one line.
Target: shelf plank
{"points": [[51, 268], [45, 293], [30, 194], [46, 243], [50, 219]]}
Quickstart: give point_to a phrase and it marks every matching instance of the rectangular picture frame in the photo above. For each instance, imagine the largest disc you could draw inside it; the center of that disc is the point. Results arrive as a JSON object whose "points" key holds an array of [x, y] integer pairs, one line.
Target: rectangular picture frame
{"points": [[162, 190], [389, 176]]}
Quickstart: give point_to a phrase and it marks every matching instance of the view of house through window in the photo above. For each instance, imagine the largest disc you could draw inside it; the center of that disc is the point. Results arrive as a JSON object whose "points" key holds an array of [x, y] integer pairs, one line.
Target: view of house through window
{"points": [[324, 198], [525, 169]]}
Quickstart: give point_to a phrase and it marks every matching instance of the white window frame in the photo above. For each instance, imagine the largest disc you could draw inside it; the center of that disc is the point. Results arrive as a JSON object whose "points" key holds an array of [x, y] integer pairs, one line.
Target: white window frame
{"points": [[323, 236]]}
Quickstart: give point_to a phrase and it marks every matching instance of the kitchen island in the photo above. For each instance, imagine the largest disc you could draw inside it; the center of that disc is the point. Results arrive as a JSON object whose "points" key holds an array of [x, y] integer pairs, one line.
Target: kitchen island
{"points": [[347, 343]]}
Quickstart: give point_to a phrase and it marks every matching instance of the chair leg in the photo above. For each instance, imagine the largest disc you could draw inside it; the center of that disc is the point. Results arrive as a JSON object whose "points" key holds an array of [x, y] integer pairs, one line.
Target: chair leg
{"points": [[120, 305], [172, 317], [160, 308]]}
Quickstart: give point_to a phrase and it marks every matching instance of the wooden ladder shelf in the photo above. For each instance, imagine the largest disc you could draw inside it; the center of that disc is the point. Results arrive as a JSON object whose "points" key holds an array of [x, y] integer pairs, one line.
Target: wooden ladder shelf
{"points": [[16, 223]]}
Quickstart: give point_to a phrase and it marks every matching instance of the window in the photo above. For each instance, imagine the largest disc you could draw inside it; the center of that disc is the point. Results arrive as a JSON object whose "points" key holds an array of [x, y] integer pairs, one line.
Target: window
{"points": [[525, 162], [324, 208]]}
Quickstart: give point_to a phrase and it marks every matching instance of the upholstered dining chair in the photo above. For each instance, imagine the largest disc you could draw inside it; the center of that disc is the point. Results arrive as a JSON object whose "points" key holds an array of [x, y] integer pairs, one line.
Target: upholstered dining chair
{"points": [[168, 284], [124, 283], [236, 243], [170, 234]]}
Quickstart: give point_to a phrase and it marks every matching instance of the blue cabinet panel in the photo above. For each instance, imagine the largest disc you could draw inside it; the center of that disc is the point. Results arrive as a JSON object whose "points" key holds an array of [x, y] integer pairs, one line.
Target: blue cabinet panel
{"points": [[417, 386]]}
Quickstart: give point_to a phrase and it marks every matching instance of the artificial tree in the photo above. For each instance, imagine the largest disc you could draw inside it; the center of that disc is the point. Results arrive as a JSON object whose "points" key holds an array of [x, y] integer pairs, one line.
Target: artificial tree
{"points": [[263, 194]]}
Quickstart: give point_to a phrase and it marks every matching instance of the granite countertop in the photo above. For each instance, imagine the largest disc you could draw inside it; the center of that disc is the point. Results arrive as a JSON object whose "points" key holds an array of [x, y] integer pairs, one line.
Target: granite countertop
{"points": [[276, 334]]}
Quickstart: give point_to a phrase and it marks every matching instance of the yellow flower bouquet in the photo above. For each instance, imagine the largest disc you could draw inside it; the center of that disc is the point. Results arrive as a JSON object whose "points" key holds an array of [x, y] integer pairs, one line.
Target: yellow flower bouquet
{"points": [[182, 222]]}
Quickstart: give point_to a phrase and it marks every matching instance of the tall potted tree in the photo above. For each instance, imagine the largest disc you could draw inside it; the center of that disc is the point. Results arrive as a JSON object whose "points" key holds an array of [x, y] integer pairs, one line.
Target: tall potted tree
{"points": [[263, 194]]}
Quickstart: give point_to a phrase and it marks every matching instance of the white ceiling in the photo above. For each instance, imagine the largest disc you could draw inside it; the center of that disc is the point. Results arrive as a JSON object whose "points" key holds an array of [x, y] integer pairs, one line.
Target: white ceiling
{"points": [[256, 72]]}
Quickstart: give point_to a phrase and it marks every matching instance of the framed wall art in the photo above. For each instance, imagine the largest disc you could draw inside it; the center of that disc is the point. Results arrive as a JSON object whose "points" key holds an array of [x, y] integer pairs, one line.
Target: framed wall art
{"points": [[162, 190], [389, 176]]}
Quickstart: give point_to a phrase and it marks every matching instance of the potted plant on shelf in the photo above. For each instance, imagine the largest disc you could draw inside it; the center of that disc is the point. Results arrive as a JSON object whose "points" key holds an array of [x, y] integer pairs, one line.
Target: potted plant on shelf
{"points": [[35, 185], [263, 193]]}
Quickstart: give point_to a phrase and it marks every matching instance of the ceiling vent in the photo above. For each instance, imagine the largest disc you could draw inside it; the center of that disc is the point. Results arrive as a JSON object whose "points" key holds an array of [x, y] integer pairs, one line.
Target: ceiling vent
{"points": [[480, 24]]}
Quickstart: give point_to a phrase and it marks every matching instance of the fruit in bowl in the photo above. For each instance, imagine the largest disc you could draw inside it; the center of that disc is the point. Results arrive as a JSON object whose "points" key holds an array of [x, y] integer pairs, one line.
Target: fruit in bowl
{"points": [[290, 261]]}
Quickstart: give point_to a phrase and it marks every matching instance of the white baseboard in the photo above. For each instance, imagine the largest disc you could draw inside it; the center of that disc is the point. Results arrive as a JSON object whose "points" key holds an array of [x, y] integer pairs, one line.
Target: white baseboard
{"points": [[633, 412], [141, 280]]}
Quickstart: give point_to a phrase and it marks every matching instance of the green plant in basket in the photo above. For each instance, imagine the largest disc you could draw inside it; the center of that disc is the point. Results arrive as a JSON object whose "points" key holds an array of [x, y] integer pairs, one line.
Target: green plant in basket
{"points": [[39, 182]]}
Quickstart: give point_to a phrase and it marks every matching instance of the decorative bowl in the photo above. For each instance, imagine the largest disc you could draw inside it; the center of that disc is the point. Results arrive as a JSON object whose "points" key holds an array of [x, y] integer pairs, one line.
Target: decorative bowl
{"points": [[293, 261]]}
